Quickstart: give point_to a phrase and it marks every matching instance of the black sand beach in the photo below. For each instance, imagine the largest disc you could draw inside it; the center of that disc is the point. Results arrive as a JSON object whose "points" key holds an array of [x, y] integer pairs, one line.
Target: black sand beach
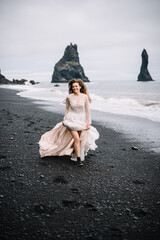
{"points": [[115, 195]]}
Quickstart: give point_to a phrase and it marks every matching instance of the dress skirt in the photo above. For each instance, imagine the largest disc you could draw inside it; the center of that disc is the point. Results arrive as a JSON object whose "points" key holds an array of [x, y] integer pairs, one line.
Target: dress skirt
{"points": [[59, 141]]}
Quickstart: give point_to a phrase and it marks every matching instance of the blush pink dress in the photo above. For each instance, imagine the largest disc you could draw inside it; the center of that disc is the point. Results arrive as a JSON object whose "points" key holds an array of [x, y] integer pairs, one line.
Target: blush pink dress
{"points": [[59, 141]]}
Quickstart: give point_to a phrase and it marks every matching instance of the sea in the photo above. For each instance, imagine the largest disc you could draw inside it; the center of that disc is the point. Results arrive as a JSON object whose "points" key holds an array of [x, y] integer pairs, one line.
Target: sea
{"points": [[129, 107]]}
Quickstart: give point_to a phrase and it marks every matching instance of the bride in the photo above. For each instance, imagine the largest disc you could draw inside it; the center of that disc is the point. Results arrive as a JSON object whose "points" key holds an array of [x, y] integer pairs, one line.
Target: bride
{"points": [[74, 136]]}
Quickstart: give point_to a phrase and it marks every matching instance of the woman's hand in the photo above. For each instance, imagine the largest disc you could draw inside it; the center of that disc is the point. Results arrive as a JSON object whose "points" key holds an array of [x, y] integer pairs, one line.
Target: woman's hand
{"points": [[63, 123], [88, 126]]}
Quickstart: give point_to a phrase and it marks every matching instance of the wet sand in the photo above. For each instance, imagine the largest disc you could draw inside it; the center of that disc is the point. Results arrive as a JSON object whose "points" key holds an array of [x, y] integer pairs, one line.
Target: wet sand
{"points": [[115, 195]]}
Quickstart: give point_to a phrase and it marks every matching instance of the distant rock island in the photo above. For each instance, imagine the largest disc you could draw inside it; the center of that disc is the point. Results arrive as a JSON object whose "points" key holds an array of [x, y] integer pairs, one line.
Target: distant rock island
{"points": [[68, 67], [144, 73]]}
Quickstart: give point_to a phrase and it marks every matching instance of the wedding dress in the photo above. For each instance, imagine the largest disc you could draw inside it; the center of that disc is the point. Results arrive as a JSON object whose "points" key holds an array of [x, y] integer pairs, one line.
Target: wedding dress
{"points": [[59, 141]]}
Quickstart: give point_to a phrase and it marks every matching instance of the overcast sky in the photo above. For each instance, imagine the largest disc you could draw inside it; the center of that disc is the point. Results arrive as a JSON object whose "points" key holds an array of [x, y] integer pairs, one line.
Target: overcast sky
{"points": [[110, 35]]}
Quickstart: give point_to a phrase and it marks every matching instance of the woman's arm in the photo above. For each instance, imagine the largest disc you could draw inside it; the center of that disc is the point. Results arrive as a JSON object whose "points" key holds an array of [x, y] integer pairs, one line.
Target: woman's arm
{"points": [[87, 109], [67, 109]]}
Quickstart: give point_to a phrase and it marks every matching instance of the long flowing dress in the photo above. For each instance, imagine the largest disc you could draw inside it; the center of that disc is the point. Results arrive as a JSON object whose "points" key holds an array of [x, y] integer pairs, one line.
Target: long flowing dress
{"points": [[59, 141]]}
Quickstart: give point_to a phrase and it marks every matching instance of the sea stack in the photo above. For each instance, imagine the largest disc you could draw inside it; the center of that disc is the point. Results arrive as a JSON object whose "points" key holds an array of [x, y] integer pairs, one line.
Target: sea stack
{"points": [[68, 67], [144, 73]]}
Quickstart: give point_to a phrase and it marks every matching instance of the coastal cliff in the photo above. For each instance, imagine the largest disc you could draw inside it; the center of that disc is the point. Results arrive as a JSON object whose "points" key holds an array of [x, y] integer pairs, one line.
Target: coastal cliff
{"points": [[68, 67], [4, 80]]}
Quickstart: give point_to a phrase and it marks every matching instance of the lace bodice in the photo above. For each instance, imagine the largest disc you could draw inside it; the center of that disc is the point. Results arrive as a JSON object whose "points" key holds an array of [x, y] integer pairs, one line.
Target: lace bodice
{"points": [[78, 107]]}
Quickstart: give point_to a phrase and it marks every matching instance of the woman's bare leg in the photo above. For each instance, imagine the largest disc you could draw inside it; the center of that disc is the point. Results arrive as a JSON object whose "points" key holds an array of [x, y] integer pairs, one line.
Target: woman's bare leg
{"points": [[75, 136]]}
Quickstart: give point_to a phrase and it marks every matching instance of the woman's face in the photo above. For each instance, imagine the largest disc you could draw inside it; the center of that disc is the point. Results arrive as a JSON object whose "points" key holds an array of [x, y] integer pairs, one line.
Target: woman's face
{"points": [[76, 88]]}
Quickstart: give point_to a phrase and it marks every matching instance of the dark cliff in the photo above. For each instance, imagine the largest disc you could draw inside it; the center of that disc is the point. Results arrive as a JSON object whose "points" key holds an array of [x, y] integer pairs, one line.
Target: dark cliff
{"points": [[4, 80]]}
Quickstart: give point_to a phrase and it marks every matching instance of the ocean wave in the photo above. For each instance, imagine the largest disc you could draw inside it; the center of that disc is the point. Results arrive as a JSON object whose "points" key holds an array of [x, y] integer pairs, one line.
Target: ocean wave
{"points": [[113, 104], [127, 106]]}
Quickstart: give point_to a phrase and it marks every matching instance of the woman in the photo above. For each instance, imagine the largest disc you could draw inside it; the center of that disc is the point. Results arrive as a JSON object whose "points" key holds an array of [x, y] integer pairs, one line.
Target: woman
{"points": [[74, 134]]}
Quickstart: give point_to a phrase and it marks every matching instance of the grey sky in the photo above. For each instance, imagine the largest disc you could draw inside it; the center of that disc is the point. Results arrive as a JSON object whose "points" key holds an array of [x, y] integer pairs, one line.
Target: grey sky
{"points": [[110, 35]]}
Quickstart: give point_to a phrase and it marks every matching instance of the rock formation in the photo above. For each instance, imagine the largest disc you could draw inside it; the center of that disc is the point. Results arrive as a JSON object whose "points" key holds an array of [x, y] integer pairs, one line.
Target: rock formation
{"points": [[144, 73], [33, 82], [21, 82], [68, 67], [4, 80]]}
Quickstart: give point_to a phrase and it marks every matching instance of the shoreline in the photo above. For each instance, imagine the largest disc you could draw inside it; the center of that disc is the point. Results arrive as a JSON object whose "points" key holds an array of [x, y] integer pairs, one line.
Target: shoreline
{"points": [[115, 194], [134, 128]]}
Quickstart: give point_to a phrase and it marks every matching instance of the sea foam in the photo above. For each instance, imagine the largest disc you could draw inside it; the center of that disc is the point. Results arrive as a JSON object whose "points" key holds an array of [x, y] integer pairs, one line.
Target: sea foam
{"points": [[110, 101]]}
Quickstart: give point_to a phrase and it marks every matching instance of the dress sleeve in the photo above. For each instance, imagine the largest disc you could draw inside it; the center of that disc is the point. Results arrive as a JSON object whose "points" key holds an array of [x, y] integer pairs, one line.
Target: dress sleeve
{"points": [[67, 107], [87, 109]]}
